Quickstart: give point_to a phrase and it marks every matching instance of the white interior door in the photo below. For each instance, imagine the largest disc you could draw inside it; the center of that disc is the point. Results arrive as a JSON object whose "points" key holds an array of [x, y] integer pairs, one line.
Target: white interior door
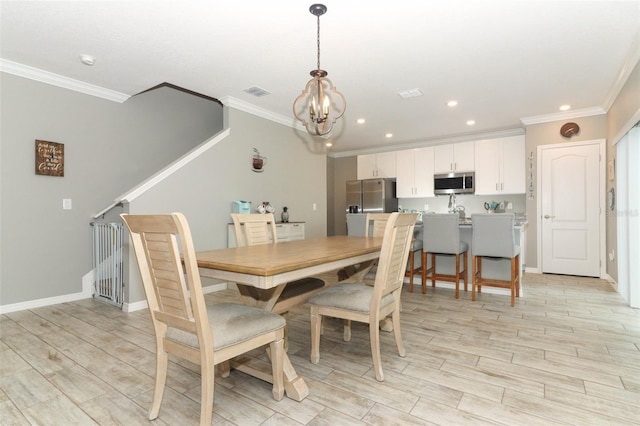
{"points": [[570, 209]]}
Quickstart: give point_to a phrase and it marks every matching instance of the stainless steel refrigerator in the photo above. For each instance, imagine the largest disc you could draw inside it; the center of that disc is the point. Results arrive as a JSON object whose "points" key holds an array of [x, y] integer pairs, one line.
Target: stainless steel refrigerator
{"points": [[372, 196]]}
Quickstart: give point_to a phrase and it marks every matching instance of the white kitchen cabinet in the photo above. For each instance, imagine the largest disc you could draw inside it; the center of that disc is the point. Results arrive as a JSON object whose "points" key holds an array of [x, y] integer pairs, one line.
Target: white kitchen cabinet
{"points": [[454, 157], [380, 165], [284, 232], [500, 166], [414, 173]]}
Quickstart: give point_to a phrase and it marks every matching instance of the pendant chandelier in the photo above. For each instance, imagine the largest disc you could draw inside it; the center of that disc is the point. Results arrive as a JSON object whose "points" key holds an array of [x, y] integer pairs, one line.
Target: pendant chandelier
{"points": [[320, 104]]}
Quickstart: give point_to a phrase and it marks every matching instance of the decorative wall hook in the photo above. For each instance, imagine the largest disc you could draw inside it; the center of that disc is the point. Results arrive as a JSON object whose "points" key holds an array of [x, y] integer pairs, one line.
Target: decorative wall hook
{"points": [[258, 161]]}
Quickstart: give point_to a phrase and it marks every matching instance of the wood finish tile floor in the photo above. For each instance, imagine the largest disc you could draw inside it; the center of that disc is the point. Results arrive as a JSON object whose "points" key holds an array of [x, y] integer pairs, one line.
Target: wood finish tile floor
{"points": [[567, 353]]}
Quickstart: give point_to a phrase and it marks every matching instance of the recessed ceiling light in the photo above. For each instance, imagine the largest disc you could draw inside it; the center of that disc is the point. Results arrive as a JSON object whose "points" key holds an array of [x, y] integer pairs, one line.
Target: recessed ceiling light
{"points": [[360, 121], [471, 122], [452, 103], [328, 144], [388, 135], [565, 107], [87, 60]]}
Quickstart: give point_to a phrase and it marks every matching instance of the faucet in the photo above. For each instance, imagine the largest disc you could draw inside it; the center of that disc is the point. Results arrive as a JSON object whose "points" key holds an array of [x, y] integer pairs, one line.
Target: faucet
{"points": [[452, 203]]}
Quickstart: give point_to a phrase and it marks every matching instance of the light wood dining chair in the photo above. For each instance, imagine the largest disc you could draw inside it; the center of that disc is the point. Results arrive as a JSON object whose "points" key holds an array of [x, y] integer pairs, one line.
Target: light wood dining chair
{"points": [[369, 304], [253, 229], [375, 225], [184, 325], [494, 239], [441, 236]]}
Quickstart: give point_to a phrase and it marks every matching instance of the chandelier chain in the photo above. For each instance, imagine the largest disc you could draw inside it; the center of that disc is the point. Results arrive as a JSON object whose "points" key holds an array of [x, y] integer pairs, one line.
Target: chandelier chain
{"points": [[318, 41]]}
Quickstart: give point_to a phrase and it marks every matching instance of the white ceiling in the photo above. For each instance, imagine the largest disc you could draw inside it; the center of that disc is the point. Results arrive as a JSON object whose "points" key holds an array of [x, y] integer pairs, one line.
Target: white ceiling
{"points": [[501, 60]]}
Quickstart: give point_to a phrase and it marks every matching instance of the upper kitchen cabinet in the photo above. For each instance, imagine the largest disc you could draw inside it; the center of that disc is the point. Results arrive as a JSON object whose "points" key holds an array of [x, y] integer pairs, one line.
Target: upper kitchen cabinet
{"points": [[380, 165], [500, 166], [456, 157], [415, 173]]}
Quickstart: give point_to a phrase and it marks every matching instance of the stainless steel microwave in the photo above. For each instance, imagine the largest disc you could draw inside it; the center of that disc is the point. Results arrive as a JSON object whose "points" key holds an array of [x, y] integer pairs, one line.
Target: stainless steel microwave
{"points": [[454, 183]]}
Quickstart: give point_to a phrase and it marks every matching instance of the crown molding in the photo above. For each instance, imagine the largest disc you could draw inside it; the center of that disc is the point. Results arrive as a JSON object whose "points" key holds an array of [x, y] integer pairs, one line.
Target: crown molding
{"points": [[42, 76], [247, 107], [567, 115], [633, 58]]}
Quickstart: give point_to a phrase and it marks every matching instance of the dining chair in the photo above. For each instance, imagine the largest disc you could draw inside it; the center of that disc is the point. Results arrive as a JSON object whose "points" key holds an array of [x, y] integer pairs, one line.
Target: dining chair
{"points": [[494, 238], [369, 304], [254, 229], [441, 236], [375, 225], [184, 326]]}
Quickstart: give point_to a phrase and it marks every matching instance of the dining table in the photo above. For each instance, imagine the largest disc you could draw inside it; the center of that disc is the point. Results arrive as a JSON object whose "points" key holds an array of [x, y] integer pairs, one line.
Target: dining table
{"points": [[270, 267]]}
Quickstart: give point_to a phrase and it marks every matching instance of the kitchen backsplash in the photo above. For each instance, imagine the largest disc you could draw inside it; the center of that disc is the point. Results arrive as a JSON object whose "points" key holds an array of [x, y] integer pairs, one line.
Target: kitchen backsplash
{"points": [[472, 203]]}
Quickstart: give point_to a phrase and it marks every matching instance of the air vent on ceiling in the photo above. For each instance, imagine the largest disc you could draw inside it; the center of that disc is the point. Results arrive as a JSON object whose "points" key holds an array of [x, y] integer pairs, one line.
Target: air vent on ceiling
{"points": [[257, 91], [411, 93]]}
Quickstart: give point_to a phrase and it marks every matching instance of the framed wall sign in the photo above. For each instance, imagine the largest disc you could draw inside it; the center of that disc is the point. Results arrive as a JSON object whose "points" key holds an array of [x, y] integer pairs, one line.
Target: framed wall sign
{"points": [[49, 158]]}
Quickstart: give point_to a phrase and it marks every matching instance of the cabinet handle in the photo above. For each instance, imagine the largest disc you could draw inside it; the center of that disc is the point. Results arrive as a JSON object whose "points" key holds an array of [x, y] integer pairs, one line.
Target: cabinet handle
{"points": [[496, 186], [502, 186], [546, 216], [451, 166], [455, 166]]}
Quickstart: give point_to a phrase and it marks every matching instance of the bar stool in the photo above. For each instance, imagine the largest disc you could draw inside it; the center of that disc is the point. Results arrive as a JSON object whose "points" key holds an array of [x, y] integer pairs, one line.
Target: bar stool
{"points": [[416, 247], [494, 238], [442, 237]]}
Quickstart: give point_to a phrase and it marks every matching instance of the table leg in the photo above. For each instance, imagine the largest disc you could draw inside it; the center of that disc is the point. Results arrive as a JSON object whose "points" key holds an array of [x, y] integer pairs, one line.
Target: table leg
{"points": [[294, 385]]}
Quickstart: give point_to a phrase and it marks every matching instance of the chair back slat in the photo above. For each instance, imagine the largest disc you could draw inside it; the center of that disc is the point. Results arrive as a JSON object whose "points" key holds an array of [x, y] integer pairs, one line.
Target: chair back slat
{"points": [[254, 229], [375, 224], [396, 245], [159, 241]]}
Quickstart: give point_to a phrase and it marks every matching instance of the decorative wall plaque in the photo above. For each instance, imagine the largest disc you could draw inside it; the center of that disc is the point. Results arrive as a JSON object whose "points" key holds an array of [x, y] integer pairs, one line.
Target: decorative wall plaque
{"points": [[49, 158]]}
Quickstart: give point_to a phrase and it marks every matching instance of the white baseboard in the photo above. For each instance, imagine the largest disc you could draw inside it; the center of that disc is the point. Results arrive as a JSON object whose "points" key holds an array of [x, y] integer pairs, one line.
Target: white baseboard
{"points": [[135, 306], [47, 301]]}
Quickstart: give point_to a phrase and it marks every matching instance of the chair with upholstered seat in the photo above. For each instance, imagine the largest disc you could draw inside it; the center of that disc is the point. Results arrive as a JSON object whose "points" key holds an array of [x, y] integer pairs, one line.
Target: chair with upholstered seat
{"points": [[441, 236], [494, 238], [254, 229], [369, 304], [184, 325]]}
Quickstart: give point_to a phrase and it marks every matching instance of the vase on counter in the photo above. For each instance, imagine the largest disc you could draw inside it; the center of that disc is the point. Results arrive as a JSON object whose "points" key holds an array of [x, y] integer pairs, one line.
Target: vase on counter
{"points": [[265, 207], [285, 215]]}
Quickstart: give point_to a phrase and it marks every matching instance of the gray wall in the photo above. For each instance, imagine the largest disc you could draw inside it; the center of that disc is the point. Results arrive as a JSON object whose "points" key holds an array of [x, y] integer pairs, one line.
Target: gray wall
{"points": [[293, 176], [342, 169], [109, 148]]}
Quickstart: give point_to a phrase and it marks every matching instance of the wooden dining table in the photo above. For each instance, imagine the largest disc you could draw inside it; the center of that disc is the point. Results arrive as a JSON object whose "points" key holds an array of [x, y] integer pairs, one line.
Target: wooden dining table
{"points": [[271, 266]]}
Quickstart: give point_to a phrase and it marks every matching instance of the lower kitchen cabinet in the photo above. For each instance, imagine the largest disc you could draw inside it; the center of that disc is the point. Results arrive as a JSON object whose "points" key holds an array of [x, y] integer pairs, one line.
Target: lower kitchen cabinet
{"points": [[414, 170]]}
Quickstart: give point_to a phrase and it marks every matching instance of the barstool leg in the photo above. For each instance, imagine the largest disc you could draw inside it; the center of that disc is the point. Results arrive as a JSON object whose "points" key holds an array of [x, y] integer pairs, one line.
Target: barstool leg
{"points": [[424, 272], [411, 255], [466, 269], [457, 275], [433, 265], [473, 278]]}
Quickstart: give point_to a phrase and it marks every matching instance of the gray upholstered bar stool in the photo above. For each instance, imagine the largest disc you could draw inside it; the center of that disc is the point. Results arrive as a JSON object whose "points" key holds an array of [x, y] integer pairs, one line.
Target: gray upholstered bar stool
{"points": [[494, 237], [442, 237]]}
